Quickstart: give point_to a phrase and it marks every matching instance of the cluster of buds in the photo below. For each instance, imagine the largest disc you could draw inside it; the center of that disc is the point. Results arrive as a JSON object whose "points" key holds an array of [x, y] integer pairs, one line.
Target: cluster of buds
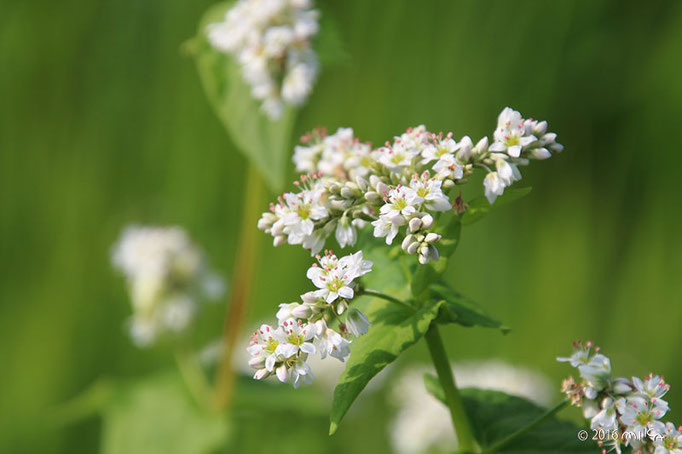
{"points": [[401, 187], [270, 39], [305, 327], [167, 277], [627, 412]]}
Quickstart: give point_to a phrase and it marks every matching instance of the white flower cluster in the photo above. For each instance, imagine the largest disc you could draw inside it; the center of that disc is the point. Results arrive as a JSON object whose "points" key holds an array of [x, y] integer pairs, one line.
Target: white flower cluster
{"points": [[271, 41], [627, 411], [400, 187], [166, 275], [305, 328]]}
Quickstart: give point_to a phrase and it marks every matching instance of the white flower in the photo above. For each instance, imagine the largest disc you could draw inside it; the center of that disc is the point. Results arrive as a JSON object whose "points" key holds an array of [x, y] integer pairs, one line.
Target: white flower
{"points": [[435, 152], [357, 323], [398, 156], [428, 191], [494, 186], [448, 167], [166, 276], [329, 342], [293, 336], [346, 234], [653, 387], [507, 172], [597, 372], [303, 209], [387, 227], [334, 277], [401, 201], [262, 348], [271, 41], [306, 157], [510, 135], [669, 442], [639, 416], [606, 418]]}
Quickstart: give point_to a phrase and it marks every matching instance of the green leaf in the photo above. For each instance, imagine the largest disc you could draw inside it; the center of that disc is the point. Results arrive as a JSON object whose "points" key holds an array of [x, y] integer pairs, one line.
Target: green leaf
{"points": [[157, 415], [480, 207], [265, 143], [495, 415], [459, 309], [396, 328], [432, 271]]}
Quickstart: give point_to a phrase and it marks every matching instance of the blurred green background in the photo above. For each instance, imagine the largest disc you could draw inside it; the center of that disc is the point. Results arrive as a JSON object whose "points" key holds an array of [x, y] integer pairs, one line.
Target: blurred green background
{"points": [[103, 122]]}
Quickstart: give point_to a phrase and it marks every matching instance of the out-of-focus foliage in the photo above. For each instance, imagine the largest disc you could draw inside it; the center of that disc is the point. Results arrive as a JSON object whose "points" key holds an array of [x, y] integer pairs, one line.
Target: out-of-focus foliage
{"points": [[103, 122]]}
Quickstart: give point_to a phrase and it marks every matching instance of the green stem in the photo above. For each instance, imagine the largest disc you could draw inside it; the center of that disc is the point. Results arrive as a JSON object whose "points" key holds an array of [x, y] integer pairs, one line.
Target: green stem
{"points": [[460, 420], [240, 290], [510, 438], [384, 296]]}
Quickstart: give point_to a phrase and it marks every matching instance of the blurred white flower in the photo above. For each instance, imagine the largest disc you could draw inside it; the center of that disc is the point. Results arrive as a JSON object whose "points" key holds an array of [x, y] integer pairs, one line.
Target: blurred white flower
{"points": [[167, 277], [271, 40], [423, 424]]}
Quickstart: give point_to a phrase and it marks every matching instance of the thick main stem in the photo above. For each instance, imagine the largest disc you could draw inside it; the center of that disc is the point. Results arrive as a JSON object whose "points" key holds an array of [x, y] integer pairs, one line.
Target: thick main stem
{"points": [[460, 420], [241, 285]]}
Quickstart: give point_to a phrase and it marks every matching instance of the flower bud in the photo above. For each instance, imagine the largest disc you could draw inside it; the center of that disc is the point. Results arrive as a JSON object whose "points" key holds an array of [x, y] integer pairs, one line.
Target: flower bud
{"points": [[279, 240], [282, 373], [415, 224], [432, 237], [261, 374], [427, 221], [540, 128], [341, 307], [347, 192], [540, 153], [407, 241], [447, 184], [301, 311], [412, 248]]}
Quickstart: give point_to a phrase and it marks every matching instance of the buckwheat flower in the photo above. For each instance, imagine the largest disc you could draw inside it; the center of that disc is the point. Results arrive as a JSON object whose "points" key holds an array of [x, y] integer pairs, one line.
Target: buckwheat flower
{"points": [[294, 336], [167, 278], [357, 323], [398, 156], [494, 186], [346, 233], [387, 227], [438, 150], [331, 343], [508, 172], [652, 387], [401, 201], [271, 41], [306, 157], [670, 441], [640, 416], [448, 167], [606, 418], [304, 208], [597, 372], [299, 372], [428, 191], [511, 135], [263, 350], [336, 281]]}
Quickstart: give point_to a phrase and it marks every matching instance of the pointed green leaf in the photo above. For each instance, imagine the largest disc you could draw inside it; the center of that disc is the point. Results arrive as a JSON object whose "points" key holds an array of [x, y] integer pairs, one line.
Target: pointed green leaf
{"points": [[396, 328], [495, 415], [265, 143], [480, 207], [459, 309]]}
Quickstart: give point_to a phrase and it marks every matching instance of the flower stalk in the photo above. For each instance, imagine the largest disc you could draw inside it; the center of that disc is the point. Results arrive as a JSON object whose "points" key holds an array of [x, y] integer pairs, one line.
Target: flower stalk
{"points": [[240, 291], [460, 420]]}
